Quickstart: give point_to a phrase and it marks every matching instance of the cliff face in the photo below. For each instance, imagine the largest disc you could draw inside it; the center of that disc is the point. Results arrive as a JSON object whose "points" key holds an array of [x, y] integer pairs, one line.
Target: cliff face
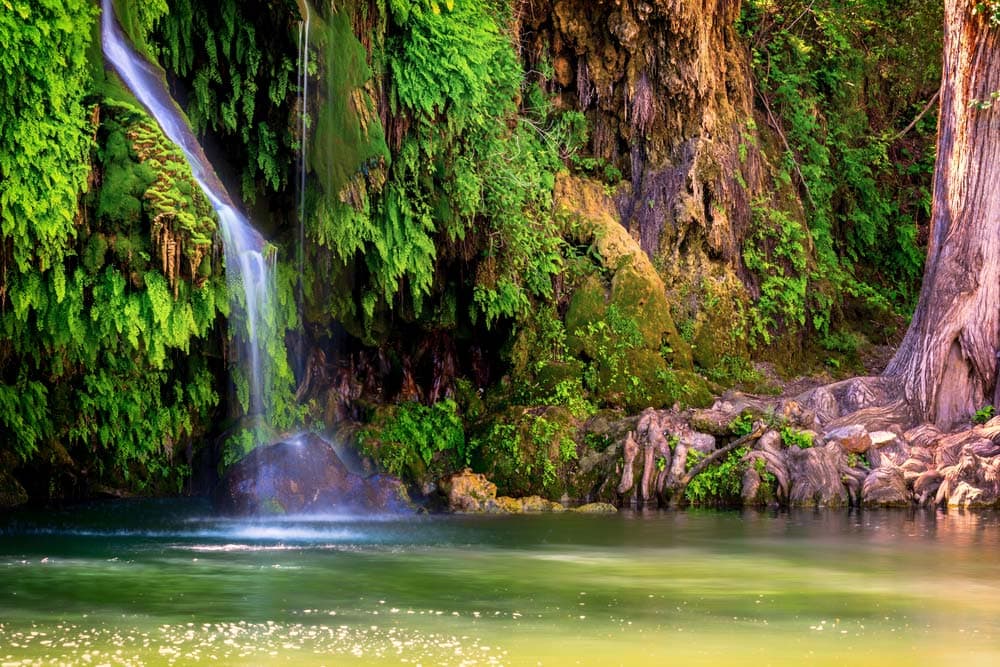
{"points": [[666, 87]]}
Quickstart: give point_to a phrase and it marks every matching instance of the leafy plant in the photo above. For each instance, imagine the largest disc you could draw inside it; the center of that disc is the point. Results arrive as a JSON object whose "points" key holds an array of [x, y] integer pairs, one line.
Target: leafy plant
{"points": [[717, 484], [791, 437], [741, 425], [983, 414], [409, 438]]}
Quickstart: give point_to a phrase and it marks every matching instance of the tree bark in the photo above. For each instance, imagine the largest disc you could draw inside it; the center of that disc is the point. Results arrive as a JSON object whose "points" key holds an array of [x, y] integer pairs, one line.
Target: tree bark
{"points": [[947, 363]]}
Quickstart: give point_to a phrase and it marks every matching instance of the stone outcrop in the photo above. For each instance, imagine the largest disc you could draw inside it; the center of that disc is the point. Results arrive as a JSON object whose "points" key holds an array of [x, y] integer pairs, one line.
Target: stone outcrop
{"points": [[304, 476], [472, 493]]}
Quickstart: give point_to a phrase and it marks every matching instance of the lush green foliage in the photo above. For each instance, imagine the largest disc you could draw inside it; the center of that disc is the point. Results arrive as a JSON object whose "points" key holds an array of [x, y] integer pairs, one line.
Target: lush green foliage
{"points": [[469, 179], [837, 85], [791, 437], [102, 344], [718, 484], [527, 453], [44, 138], [241, 80], [410, 438]]}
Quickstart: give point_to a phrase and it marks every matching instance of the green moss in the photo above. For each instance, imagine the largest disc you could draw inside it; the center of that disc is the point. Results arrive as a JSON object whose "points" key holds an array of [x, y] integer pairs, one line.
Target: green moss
{"points": [[348, 141], [528, 452], [638, 294]]}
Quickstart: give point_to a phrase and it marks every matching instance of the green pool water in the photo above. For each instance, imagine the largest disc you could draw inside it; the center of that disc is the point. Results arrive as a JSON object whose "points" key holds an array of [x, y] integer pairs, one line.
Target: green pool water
{"points": [[129, 583]]}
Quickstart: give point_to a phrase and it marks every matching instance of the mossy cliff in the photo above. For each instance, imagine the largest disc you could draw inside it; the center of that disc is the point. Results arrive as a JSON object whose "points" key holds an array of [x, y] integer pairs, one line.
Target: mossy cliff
{"points": [[550, 209]]}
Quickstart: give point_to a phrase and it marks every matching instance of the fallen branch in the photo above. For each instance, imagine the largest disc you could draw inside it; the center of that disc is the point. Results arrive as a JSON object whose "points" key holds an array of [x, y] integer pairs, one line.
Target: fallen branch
{"points": [[682, 483]]}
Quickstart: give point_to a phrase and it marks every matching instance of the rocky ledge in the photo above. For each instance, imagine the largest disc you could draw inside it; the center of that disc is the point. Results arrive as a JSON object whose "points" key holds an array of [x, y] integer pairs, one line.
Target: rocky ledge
{"points": [[304, 475]]}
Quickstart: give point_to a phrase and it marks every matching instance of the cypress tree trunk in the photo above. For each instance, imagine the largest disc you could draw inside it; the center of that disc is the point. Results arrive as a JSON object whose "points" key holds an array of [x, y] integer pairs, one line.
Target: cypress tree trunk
{"points": [[947, 363]]}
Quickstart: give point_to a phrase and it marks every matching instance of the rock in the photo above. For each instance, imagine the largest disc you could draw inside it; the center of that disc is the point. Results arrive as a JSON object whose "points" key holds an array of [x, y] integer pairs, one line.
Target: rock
{"points": [[505, 505], [469, 491], [596, 508], [885, 487], [882, 438], [539, 504], [304, 475], [854, 439], [12, 494], [816, 476]]}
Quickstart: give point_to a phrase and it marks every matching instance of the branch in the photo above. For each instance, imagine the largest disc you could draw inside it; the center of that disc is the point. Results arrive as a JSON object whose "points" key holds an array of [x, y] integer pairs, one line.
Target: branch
{"points": [[716, 455], [916, 120], [781, 135]]}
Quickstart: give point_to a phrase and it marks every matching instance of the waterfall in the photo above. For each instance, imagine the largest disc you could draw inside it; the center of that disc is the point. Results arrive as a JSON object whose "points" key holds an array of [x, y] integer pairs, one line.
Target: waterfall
{"points": [[249, 275]]}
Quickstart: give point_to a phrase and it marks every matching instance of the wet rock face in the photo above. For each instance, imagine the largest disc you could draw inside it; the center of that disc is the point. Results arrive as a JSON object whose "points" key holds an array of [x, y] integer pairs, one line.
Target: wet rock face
{"points": [[302, 477]]}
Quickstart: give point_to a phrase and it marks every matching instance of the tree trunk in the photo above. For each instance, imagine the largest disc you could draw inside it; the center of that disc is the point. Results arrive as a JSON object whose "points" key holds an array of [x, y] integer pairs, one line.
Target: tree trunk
{"points": [[947, 363]]}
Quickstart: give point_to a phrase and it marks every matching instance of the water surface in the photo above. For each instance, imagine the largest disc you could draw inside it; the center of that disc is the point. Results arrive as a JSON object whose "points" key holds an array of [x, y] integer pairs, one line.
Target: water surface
{"points": [[167, 583]]}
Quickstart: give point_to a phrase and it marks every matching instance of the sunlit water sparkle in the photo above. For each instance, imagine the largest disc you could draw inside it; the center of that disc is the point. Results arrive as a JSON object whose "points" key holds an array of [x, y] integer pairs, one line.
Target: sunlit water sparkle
{"points": [[167, 583]]}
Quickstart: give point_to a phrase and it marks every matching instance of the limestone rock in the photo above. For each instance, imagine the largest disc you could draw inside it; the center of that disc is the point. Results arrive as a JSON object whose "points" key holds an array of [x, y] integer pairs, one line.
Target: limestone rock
{"points": [[468, 491], [596, 508], [854, 439], [539, 504], [304, 475], [503, 505]]}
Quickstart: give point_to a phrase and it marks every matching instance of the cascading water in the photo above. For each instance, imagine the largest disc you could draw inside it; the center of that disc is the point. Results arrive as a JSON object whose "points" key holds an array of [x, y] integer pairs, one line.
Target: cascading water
{"points": [[248, 273]]}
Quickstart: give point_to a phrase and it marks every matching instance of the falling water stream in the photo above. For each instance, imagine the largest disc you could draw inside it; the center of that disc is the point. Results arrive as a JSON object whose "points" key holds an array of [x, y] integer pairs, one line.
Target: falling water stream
{"points": [[248, 273]]}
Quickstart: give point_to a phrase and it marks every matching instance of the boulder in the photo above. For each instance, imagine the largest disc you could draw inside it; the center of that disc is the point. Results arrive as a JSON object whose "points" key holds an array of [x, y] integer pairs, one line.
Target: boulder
{"points": [[885, 487], [539, 504], [304, 475], [596, 508], [854, 439], [469, 491]]}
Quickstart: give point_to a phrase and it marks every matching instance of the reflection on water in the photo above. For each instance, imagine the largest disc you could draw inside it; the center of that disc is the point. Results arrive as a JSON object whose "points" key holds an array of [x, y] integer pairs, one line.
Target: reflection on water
{"points": [[166, 583]]}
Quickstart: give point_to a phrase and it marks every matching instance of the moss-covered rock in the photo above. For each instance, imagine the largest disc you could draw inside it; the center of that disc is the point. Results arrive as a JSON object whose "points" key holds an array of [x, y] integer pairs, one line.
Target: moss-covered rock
{"points": [[529, 451]]}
